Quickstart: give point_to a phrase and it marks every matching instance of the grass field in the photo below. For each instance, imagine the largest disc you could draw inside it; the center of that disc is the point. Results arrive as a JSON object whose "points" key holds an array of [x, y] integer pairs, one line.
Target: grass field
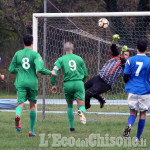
{"points": [[58, 124]]}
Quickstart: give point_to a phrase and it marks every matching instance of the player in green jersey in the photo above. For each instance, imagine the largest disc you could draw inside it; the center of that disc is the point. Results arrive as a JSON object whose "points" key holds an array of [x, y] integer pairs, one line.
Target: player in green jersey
{"points": [[25, 63], [74, 72]]}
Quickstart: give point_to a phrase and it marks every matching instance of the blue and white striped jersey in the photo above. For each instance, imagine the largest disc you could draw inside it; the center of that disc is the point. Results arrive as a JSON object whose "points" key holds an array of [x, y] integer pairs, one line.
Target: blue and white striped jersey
{"points": [[111, 71]]}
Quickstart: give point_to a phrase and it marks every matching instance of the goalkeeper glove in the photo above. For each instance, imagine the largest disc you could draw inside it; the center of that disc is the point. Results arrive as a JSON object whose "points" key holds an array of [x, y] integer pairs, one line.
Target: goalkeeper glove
{"points": [[124, 48], [116, 37]]}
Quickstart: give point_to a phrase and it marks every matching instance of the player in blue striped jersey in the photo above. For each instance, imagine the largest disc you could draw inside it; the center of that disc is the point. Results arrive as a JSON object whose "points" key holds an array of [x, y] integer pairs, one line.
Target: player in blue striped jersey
{"points": [[136, 77]]}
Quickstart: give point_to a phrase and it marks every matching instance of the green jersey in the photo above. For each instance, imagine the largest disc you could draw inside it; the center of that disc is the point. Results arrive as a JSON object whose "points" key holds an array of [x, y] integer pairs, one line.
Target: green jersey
{"points": [[73, 67], [25, 63]]}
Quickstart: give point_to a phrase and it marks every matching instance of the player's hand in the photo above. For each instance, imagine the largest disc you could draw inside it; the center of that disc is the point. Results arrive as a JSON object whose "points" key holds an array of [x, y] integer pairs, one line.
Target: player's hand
{"points": [[54, 89], [2, 76], [124, 48], [116, 37], [53, 73]]}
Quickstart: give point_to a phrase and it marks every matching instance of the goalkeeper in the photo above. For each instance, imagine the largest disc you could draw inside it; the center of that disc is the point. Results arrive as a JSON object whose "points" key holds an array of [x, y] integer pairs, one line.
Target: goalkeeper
{"points": [[108, 75], [74, 72]]}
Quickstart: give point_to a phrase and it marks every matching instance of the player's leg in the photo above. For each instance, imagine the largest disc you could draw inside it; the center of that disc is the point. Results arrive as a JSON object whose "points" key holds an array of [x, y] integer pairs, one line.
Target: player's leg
{"points": [[68, 90], [21, 98], [81, 110], [102, 87], [70, 115], [144, 104], [19, 109], [99, 86], [141, 124], [79, 94], [32, 118], [101, 99], [89, 83], [131, 120], [88, 94], [133, 106], [32, 94]]}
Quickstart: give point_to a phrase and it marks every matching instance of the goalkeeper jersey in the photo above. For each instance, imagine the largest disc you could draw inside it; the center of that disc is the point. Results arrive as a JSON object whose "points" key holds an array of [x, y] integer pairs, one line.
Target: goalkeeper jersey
{"points": [[73, 67], [113, 68], [25, 63], [111, 71]]}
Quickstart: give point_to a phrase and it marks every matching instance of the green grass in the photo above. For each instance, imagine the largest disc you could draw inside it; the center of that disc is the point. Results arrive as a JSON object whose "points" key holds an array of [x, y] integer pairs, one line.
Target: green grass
{"points": [[58, 123]]}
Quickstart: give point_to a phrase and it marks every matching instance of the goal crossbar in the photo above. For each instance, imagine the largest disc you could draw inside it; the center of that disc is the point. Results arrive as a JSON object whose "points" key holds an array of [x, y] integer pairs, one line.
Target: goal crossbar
{"points": [[92, 14]]}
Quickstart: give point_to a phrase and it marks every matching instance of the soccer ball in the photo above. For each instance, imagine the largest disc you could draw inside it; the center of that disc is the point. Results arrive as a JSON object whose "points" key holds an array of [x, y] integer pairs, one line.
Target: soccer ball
{"points": [[103, 23]]}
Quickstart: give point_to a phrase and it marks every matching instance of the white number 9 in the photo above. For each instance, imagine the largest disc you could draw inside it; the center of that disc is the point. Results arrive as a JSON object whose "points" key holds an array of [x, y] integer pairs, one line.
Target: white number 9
{"points": [[72, 65]]}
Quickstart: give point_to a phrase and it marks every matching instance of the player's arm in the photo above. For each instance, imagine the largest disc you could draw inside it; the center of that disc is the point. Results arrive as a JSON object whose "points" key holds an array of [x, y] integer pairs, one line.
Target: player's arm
{"points": [[2, 76], [12, 68], [57, 67], [113, 47], [124, 48], [126, 78], [84, 70], [53, 78], [127, 71], [39, 64]]}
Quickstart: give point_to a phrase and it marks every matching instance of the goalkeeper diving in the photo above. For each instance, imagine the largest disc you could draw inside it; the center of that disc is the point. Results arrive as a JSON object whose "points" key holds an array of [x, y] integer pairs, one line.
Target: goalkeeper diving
{"points": [[108, 75]]}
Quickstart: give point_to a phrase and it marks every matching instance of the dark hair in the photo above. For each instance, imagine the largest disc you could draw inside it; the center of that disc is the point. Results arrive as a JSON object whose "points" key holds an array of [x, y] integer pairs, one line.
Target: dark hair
{"points": [[142, 45], [28, 39], [130, 54]]}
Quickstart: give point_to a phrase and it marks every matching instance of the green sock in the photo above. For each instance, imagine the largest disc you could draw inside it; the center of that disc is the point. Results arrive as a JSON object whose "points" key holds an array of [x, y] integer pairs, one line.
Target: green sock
{"points": [[18, 110], [82, 108], [70, 115], [32, 120]]}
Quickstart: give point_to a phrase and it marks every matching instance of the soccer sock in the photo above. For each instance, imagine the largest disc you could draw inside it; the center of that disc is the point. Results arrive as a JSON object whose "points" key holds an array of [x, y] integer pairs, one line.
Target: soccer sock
{"points": [[131, 120], [18, 110], [141, 125], [82, 108], [32, 120], [70, 115]]}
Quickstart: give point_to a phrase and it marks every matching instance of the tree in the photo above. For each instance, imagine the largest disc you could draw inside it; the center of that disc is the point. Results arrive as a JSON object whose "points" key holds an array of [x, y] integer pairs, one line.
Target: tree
{"points": [[17, 15]]}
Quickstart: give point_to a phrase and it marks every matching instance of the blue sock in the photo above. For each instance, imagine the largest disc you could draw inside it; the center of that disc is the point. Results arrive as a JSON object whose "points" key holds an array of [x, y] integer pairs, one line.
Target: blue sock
{"points": [[131, 120], [141, 125]]}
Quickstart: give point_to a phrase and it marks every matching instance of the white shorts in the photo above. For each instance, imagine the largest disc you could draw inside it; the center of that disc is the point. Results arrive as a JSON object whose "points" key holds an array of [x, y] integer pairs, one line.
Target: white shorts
{"points": [[139, 102]]}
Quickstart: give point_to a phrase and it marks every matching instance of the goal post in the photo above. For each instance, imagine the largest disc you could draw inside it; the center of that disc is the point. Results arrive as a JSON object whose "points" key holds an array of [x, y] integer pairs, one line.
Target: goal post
{"points": [[91, 43]]}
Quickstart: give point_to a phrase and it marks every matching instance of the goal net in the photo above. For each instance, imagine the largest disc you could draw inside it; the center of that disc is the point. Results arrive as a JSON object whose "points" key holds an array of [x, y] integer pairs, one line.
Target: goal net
{"points": [[92, 43]]}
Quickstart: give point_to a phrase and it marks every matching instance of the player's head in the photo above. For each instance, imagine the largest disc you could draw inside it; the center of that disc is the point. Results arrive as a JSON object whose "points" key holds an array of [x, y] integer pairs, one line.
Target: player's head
{"points": [[127, 54], [28, 40], [68, 47], [142, 45]]}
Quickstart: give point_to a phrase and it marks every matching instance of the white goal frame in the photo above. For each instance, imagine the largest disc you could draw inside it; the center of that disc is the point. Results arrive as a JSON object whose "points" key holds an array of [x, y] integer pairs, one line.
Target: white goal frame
{"points": [[83, 14], [87, 14]]}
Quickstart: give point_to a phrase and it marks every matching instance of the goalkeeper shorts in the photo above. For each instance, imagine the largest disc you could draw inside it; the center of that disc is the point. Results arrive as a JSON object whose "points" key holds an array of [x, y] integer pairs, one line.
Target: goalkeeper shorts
{"points": [[74, 89]]}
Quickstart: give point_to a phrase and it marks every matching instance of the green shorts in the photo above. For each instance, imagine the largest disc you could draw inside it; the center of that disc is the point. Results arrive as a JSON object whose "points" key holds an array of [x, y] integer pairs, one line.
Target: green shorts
{"points": [[74, 89], [24, 94]]}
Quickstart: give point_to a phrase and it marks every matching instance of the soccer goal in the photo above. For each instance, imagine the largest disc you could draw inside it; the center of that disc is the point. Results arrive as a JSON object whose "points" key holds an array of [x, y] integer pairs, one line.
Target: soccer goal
{"points": [[52, 30]]}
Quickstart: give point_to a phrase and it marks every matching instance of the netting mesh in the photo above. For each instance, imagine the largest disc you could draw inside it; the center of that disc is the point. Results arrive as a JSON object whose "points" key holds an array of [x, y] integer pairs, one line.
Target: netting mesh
{"points": [[91, 43]]}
